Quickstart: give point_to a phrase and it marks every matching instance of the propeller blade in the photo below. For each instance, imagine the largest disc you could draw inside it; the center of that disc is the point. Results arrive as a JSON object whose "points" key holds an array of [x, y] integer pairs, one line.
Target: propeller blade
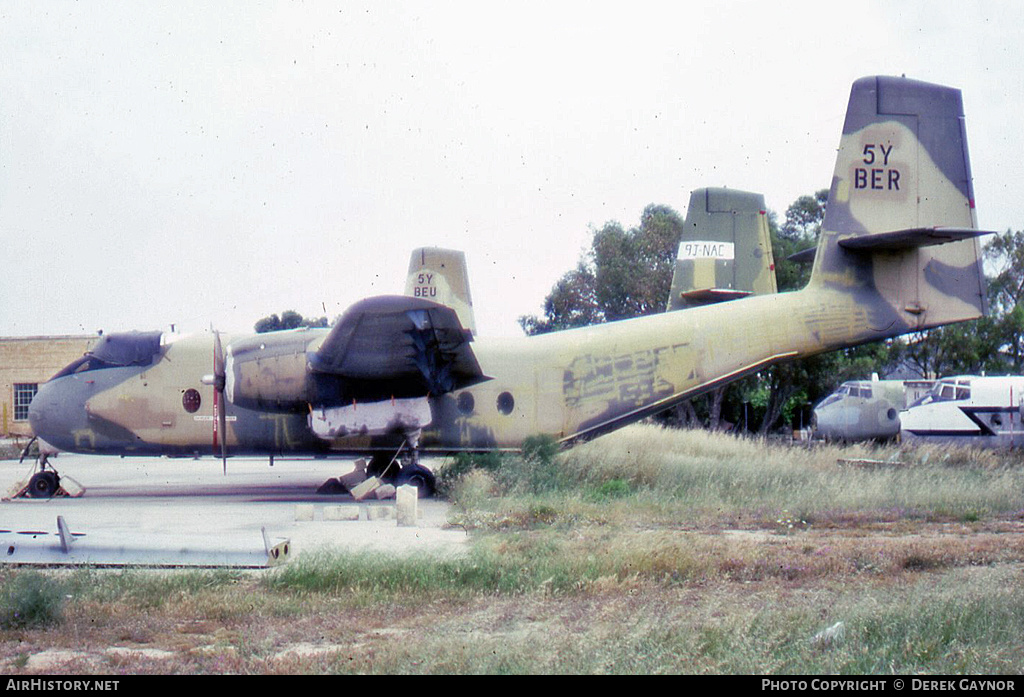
{"points": [[219, 369], [220, 415], [224, 437]]}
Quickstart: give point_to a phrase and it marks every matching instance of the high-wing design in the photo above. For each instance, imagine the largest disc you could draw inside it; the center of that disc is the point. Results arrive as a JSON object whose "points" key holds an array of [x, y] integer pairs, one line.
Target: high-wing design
{"points": [[897, 253], [391, 346]]}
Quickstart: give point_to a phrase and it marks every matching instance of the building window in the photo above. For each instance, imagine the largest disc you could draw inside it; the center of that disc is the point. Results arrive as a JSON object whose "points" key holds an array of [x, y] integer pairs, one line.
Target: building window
{"points": [[23, 394]]}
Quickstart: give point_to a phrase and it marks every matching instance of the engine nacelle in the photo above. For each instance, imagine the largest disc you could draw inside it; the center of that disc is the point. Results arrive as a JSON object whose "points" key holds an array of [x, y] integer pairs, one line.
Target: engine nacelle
{"points": [[269, 372]]}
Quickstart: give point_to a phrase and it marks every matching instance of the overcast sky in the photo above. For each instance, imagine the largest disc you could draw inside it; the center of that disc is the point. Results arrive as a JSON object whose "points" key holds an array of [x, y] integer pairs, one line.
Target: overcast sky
{"points": [[212, 163]]}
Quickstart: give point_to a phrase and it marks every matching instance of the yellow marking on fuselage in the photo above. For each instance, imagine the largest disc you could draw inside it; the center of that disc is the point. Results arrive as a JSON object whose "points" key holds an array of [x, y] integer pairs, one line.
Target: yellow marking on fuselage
{"points": [[282, 435], [83, 435]]}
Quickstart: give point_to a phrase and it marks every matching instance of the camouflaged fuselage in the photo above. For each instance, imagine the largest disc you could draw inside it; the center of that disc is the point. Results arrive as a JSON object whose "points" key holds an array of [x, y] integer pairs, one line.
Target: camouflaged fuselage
{"points": [[886, 264]]}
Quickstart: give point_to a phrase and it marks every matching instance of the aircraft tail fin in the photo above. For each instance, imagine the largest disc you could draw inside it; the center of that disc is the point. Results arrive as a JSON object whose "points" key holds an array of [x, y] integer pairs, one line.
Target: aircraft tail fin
{"points": [[441, 275], [725, 251], [900, 218]]}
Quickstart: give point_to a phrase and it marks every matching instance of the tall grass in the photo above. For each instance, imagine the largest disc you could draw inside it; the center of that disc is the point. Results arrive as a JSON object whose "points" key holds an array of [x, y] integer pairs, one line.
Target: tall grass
{"points": [[621, 556], [702, 475]]}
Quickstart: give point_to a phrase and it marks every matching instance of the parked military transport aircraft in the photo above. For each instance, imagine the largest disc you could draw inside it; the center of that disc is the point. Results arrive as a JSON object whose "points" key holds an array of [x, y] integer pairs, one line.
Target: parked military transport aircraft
{"points": [[866, 409], [897, 253], [968, 410]]}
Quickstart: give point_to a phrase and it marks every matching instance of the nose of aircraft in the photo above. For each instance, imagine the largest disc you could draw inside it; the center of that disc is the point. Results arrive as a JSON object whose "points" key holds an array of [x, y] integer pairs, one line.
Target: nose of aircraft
{"points": [[827, 422], [53, 414]]}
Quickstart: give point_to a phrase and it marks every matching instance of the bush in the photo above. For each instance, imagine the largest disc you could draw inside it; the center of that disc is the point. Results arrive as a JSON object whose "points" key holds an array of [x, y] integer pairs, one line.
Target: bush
{"points": [[611, 489], [449, 476], [30, 599], [537, 470]]}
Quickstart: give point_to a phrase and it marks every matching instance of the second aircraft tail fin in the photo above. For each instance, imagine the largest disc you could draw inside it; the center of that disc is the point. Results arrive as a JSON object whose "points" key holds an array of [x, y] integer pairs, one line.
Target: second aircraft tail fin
{"points": [[725, 252]]}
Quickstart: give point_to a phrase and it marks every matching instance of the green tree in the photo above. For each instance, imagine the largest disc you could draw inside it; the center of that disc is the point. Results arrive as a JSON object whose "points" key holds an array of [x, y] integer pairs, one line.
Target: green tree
{"points": [[625, 273], [289, 319], [1005, 253], [571, 303], [992, 344], [804, 216]]}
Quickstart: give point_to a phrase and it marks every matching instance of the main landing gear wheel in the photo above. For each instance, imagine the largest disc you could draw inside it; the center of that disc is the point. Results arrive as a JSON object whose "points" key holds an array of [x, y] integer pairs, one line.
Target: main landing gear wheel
{"points": [[384, 467], [391, 471], [420, 477]]}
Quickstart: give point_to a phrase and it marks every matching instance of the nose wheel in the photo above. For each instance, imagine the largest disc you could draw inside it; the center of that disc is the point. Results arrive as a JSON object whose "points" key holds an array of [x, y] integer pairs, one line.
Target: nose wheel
{"points": [[43, 485], [418, 476], [45, 482]]}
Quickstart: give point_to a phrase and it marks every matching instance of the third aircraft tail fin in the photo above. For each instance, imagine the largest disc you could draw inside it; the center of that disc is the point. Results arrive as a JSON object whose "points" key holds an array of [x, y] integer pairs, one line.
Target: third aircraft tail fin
{"points": [[441, 275]]}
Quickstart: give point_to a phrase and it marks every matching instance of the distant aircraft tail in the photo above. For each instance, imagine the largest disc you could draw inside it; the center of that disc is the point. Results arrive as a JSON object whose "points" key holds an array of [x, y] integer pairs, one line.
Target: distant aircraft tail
{"points": [[900, 219], [441, 275], [725, 252]]}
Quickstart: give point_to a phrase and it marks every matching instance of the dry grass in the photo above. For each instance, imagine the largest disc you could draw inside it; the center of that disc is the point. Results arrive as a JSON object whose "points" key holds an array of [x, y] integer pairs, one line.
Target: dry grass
{"points": [[649, 551], [709, 477]]}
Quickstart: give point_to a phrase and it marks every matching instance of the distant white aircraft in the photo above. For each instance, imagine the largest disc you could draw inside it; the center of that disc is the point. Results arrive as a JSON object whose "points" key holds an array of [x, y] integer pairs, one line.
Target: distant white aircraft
{"points": [[968, 410]]}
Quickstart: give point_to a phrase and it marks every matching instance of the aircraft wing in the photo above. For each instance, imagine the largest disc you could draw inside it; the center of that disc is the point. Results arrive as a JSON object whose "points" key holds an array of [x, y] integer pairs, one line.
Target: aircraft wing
{"points": [[400, 345]]}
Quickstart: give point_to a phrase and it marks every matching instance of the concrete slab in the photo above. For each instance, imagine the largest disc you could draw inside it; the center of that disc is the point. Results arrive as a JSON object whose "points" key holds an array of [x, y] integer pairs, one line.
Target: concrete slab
{"points": [[177, 503]]}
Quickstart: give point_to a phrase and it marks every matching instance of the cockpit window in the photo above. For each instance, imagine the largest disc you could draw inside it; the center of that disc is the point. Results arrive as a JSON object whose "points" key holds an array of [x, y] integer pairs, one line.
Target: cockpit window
{"points": [[83, 364], [831, 399], [117, 350], [130, 348], [946, 391], [854, 390]]}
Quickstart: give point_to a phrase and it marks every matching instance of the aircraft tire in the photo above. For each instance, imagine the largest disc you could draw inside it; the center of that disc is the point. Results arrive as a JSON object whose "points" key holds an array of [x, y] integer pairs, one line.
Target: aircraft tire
{"points": [[420, 477], [43, 485], [379, 467]]}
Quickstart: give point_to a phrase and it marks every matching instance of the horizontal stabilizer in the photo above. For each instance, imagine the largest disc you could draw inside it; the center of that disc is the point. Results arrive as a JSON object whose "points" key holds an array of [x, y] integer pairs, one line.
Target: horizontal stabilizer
{"points": [[706, 296], [805, 256], [910, 239]]}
